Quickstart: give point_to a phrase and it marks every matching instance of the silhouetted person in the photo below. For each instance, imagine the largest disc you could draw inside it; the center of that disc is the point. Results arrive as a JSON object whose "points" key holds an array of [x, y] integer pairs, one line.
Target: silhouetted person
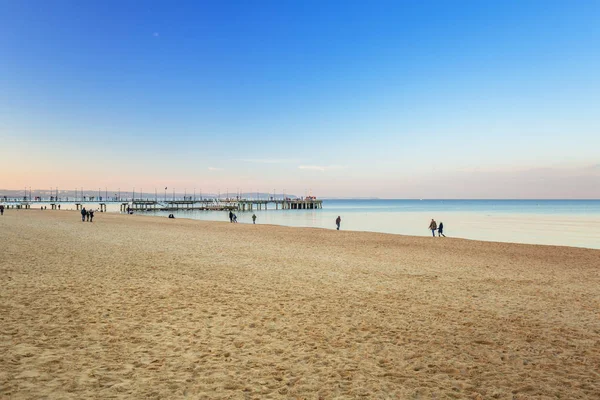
{"points": [[230, 216], [441, 229], [83, 212], [1, 209], [433, 227], [91, 214], [87, 215], [59, 206], [235, 218], [338, 221], [254, 218]]}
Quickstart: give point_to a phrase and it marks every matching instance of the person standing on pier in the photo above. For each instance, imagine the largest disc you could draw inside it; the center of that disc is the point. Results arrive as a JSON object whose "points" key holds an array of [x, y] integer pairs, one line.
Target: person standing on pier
{"points": [[83, 212], [338, 221], [254, 219]]}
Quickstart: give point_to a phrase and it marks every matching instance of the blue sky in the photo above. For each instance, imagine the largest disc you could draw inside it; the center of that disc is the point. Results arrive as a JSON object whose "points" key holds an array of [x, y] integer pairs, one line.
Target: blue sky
{"points": [[390, 99]]}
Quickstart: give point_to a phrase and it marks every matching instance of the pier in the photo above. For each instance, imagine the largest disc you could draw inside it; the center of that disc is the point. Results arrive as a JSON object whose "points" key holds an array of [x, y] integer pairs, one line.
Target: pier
{"points": [[213, 204], [223, 205]]}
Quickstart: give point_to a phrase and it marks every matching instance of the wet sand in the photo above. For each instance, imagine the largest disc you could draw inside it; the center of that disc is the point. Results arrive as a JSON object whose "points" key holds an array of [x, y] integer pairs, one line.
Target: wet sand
{"points": [[145, 307]]}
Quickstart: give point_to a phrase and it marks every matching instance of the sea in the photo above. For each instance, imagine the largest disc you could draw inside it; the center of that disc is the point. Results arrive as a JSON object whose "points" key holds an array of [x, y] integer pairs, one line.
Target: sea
{"points": [[548, 222]]}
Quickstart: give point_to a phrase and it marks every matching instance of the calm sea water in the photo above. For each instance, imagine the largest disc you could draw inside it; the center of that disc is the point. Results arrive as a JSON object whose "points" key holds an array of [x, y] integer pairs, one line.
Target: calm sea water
{"points": [[564, 207], [554, 222]]}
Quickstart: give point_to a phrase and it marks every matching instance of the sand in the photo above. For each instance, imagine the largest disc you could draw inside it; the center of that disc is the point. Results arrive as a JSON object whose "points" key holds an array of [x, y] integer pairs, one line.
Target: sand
{"points": [[146, 307]]}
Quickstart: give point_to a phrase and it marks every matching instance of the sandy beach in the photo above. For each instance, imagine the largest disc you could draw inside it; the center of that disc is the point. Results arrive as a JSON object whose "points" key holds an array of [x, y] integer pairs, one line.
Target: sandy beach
{"points": [[147, 307]]}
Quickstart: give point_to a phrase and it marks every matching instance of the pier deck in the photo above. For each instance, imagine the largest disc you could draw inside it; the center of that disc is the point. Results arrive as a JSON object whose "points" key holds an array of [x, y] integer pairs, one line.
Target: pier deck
{"points": [[225, 205], [180, 205]]}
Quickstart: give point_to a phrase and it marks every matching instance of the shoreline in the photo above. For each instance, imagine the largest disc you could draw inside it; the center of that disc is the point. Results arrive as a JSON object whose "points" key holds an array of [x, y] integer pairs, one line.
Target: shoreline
{"points": [[527, 227]]}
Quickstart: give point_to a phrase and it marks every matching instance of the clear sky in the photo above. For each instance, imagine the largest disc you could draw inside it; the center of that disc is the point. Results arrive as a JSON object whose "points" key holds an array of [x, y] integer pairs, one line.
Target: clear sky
{"points": [[420, 99]]}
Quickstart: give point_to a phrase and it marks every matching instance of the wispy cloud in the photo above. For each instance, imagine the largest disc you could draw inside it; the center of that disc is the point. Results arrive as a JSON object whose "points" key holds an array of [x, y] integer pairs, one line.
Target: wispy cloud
{"points": [[268, 160], [156, 34], [319, 167], [215, 169]]}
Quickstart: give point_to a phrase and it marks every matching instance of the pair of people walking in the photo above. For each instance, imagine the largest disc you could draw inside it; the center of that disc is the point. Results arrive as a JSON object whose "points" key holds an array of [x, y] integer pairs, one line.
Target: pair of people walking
{"points": [[232, 217], [434, 226]]}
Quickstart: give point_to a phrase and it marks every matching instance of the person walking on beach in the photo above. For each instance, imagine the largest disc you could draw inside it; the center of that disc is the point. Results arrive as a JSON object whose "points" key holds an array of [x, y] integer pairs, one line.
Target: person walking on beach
{"points": [[254, 219], [230, 216], [87, 216], [91, 215], [2, 210], [83, 212], [234, 219], [433, 227], [338, 221], [441, 229], [59, 206]]}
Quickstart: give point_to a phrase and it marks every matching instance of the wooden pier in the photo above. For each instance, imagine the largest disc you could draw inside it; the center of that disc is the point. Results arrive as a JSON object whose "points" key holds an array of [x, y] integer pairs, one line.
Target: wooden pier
{"points": [[223, 205], [287, 204], [309, 203]]}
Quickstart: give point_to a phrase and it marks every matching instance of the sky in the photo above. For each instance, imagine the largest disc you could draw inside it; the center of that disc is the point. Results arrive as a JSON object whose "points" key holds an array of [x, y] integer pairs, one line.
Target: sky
{"points": [[419, 99]]}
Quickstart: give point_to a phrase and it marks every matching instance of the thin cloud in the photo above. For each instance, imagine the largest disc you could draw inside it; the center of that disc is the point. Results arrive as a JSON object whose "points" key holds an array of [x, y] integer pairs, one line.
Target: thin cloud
{"points": [[319, 167], [156, 34], [215, 169], [268, 160]]}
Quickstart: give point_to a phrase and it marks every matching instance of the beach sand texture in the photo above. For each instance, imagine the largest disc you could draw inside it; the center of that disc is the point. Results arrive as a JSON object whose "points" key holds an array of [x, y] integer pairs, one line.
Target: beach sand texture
{"points": [[145, 307]]}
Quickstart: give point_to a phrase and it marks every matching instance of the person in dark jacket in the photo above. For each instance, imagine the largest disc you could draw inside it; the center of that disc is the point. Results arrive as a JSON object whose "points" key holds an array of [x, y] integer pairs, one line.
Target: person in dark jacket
{"points": [[338, 222], [91, 215], [441, 229], [1, 209], [230, 216], [83, 213]]}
